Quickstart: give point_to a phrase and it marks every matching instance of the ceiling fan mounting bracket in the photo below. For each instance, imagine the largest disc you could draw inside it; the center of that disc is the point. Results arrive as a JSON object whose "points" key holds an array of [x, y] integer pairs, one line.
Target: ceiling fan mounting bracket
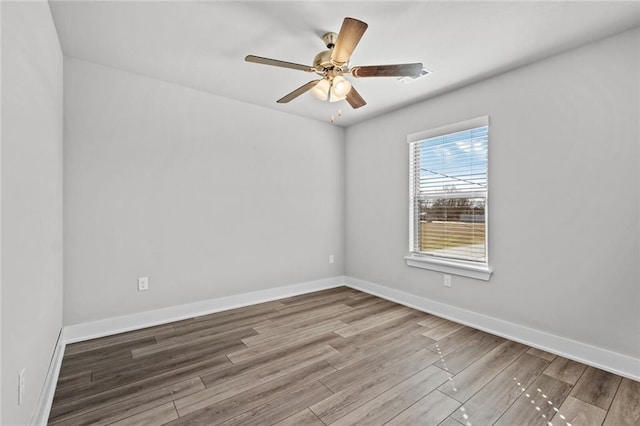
{"points": [[329, 39]]}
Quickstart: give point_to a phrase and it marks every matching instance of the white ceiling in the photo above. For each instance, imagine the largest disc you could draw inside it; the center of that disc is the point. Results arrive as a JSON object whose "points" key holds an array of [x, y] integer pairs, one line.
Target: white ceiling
{"points": [[202, 45]]}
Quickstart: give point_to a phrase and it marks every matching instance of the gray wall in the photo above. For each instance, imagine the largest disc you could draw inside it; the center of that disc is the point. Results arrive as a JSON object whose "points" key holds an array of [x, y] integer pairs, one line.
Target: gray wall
{"points": [[564, 196], [206, 196], [31, 202]]}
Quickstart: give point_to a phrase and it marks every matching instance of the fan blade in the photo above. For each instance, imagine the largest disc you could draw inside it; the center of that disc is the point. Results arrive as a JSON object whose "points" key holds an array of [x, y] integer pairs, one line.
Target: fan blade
{"points": [[354, 99], [299, 91], [348, 38], [399, 70], [277, 63]]}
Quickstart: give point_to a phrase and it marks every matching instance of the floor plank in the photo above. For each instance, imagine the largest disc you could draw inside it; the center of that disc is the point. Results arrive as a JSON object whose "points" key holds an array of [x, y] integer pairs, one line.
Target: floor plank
{"points": [[481, 372], [301, 313], [566, 370], [207, 328], [456, 340], [153, 374], [490, 402], [275, 345], [109, 341], [360, 313], [281, 327], [389, 404], [183, 342], [368, 387], [121, 405], [301, 418], [104, 356], [433, 321], [282, 407], [293, 331], [343, 293], [163, 362], [353, 354], [233, 404], [542, 354], [218, 322], [155, 416], [459, 359], [596, 387], [365, 300], [430, 410], [270, 363], [450, 422], [373, 321], [375, 363], [230, 315], [221, 390], [75, 379], [378, 335], [533, 407], [578, 412], [315, 301], [625, 409], [443, 330]]}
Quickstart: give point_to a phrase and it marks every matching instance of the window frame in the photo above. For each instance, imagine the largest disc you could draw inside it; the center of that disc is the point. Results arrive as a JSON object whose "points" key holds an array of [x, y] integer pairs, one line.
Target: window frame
{"points": [[471, 269]]}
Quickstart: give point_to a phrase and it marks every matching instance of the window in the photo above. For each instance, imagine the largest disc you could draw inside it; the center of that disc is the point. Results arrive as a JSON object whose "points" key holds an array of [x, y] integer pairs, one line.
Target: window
{"points": [[448, 198]]}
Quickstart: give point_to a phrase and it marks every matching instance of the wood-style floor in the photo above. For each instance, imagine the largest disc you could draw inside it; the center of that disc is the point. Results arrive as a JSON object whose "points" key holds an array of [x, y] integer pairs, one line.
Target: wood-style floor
{"points": [[335, 357]]}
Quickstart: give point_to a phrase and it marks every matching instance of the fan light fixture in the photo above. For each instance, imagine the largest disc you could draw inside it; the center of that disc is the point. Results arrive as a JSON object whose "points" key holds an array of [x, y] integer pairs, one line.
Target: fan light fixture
{"points": [[340, 87], [334, 91], [321, 90]]}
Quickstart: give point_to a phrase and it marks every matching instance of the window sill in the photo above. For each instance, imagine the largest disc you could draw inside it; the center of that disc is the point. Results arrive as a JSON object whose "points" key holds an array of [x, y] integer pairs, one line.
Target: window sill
{"points": [[454, 267]]}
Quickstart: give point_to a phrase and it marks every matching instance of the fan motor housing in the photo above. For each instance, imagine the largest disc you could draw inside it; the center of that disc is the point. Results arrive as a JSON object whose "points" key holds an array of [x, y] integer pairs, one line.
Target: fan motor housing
{"points": [[323, 60]]}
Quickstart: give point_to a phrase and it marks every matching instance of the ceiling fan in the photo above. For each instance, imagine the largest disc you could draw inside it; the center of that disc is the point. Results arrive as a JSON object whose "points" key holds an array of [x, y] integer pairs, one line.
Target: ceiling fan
{"points": [[333, 64]]}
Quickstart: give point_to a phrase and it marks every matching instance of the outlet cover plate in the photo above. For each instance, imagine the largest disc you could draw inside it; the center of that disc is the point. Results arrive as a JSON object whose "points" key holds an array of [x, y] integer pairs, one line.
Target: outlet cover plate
{"points": [[143, 283], [447, 280]]}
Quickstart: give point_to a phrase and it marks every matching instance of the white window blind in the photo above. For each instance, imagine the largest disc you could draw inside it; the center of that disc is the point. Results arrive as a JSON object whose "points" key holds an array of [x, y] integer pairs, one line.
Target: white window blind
{"points": [[448, 191]]}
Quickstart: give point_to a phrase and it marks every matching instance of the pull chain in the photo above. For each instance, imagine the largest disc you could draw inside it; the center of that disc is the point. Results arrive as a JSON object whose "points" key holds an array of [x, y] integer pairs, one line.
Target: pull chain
{"points": [[332, 119]]}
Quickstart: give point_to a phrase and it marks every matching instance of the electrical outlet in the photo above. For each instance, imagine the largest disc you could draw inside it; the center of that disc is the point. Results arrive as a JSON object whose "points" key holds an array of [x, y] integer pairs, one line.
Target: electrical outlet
{"points": [[332, 259], [143, 283], [21, 386], [447, 280]]}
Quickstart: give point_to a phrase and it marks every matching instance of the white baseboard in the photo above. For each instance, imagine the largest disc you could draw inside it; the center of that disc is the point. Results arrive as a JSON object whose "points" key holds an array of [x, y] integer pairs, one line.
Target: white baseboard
{"points": [[100, 328], [43, 407], [603, 359]]}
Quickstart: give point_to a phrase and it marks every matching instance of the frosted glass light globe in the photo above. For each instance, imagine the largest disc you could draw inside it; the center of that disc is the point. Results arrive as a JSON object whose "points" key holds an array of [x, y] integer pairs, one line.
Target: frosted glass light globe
{"points": [[341, 87], [321, 90]]}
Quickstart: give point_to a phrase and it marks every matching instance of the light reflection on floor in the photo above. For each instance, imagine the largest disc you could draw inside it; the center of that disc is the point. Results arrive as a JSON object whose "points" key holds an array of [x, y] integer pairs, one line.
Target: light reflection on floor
{"points": [[467, 418]]}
